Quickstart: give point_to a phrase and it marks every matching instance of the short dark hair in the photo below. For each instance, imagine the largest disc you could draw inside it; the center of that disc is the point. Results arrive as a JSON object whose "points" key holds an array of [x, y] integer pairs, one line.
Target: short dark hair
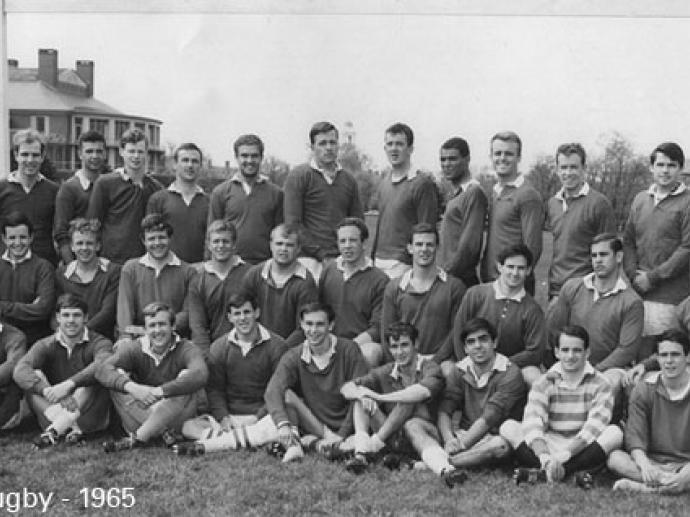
{"points": [[615, 243], [188, 146], [515, 250], [156, 222], [321, 127], [71, 301], [133, 136], [248, 140], [572, 148], [288, 229], [83, 225], [401, 328], [574, 331], [316, 307], [237, 300], [670, 149], [676, 336], [459, 144], [355, 221], [91, 136], [154, 308], [424, 228], [222, 225], [475, 325], [16, 218], [508, 136], [399, 128]]}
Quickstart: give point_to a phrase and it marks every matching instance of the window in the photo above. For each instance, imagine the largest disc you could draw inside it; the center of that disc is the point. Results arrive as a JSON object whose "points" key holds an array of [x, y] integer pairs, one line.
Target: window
{"points": [[78, 124], [40, 124], [120, 127], [141, 126], [100, 125]]}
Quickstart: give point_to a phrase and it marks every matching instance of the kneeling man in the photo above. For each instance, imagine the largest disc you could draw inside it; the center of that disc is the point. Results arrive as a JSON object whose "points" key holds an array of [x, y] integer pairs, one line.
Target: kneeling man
{"points": [[565, 428], [153, 380], [58, 376], [656, 434]]}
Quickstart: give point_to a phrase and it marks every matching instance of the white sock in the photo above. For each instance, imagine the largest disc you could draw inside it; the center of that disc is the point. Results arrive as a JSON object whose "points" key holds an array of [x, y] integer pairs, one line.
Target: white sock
{"points": [[436, 459], [375, 443], [222, 442], [362, 442]]}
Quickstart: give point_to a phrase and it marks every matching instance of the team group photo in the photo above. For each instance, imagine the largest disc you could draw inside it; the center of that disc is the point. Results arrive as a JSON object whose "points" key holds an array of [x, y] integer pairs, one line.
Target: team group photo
{"points": [[456, 324]]}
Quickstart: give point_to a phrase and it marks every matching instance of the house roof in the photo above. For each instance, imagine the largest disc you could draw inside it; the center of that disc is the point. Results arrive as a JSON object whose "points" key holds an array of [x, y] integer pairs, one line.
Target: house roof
{"points": [[26, 92]]}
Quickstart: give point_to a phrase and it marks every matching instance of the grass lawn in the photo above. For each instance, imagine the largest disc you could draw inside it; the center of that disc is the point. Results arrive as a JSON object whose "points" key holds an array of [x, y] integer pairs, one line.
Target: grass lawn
{"points": [[245, 483]]}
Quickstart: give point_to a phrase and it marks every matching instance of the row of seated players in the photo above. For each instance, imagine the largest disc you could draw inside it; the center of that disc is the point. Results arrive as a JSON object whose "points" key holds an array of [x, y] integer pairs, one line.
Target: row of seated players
{"points": [[321, 395]]}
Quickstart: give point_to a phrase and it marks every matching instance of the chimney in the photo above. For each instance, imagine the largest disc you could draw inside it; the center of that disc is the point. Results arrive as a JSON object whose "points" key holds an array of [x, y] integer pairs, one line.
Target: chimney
{"points": [[85, 71], [48, 66], [12, 63]]}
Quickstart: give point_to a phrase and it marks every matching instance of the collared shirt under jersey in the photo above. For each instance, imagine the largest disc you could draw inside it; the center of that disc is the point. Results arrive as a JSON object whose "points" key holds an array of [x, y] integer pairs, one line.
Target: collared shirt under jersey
{"points": [[187, 219]]}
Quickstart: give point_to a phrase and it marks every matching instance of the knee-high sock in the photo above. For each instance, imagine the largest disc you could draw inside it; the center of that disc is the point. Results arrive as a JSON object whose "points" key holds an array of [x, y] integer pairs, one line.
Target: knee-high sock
{"points": [[592, 456], [264, 431], [436, 459], [60, 418]]}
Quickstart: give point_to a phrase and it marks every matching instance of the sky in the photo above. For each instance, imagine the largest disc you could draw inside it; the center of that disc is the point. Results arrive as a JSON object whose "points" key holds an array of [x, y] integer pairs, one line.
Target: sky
{"points": [[210, 78]]}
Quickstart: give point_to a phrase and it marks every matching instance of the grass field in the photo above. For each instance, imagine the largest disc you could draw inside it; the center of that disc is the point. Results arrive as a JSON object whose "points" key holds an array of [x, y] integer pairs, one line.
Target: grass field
{"points": [[246, 483]]}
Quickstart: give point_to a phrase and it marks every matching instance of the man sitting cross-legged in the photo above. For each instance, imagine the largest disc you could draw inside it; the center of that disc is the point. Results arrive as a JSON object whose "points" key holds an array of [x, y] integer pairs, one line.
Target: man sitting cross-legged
{"points": [[565, 428], [240, 365], [12, 348], [316, 369], [403, 387], [153, 380], [486, 388], [656, 434], [58, 376]]}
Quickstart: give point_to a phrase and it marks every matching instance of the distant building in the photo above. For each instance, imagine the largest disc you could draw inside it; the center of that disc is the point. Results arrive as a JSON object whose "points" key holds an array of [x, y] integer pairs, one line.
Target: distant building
{"points": [[59, 103]]}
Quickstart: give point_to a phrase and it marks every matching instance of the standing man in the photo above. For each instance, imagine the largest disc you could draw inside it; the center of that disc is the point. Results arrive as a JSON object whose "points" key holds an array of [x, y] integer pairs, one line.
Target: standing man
{"points": [[565, 428], [607, 307], [318, 195], [656, 432], [354, 288], [424, 296], [91, 278], [406, 197], [462, 227], [184, 204], [575, 215], [216, 281], [153, 380], [119, 199], [250, 201], [73, 196], [27, 282], [657, 242], [509, 308], [516, 214], [486, 388], [58, 376], [281, 285], [158, 275], [29, 192]]}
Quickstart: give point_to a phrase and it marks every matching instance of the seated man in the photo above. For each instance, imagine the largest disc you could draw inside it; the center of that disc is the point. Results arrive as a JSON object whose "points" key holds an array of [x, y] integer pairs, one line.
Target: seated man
{"points": [[565, 428], [607, 307], [27, 282], [58, 376], [240, 365], [12, 348], [216, 281], [316, 370], [354, 288], [281, 285], [403, 387], [153, 380], [486, 388], [656, 434], [425, 296], [158, 275], [92, 278], [506, 305]]}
